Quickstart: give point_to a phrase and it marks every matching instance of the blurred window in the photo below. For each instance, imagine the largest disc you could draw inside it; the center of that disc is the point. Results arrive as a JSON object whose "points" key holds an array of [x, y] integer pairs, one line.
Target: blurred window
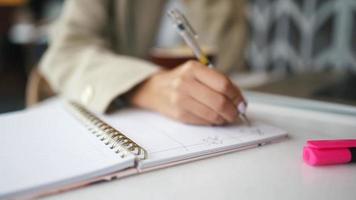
{"points": [[306, 47]]}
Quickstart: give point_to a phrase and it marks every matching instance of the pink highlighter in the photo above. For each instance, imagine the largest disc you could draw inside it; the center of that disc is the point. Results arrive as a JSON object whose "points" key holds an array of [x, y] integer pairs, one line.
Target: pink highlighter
{"points": [[329, 152]]}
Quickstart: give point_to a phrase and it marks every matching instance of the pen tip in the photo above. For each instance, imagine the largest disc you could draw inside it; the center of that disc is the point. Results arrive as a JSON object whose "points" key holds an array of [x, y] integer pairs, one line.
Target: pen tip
{"points": [[241, 107], [248, 122]]}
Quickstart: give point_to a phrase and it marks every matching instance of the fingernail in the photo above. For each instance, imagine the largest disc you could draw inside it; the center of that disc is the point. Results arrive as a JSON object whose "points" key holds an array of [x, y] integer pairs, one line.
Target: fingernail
{"points": [[241, 107]]}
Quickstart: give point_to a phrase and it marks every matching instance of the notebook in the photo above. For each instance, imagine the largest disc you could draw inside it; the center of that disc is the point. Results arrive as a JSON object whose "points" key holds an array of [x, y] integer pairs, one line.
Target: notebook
{"points": [[57, 145]]}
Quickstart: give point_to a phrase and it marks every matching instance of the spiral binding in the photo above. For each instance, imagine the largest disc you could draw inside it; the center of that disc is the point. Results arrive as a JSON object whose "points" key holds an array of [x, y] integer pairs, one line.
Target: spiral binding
{"points": [[111, 137]]}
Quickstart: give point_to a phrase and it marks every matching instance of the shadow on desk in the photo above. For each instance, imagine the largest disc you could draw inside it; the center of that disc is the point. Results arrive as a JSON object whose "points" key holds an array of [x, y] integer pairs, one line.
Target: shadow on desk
{"points": [[323, 86]]}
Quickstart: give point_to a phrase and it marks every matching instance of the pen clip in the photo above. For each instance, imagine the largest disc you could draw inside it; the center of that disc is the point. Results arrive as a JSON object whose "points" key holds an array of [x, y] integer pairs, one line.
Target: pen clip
{"points": [[181, 21], [190, 28], [189, 35]]}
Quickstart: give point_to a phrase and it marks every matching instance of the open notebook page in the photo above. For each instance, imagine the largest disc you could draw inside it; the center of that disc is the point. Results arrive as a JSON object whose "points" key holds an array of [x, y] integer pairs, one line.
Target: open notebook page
{"points": [[167, 140], [45, 147]]}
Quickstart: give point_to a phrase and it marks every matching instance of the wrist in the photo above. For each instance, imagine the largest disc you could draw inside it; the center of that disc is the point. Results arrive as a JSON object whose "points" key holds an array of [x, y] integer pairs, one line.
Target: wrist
{"points": [[144, 94]]}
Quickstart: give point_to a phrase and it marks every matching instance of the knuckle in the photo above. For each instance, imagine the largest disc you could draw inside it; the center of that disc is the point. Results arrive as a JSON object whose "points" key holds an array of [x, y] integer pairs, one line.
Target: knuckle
{"points": [[225, 84], [188, 66], [191, 63], [221, 103], [176, 99], [178, 83], [214, 117], [180, 114]]}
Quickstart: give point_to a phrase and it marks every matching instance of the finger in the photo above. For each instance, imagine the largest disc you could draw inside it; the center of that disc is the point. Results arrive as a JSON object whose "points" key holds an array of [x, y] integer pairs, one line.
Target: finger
{"points": [[240, 103], [189, 118], [210, 98], [216, 81], [200, 110]]}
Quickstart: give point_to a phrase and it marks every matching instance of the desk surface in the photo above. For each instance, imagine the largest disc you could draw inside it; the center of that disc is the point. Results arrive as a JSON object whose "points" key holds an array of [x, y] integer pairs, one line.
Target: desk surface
{"points": [[274, 171]]}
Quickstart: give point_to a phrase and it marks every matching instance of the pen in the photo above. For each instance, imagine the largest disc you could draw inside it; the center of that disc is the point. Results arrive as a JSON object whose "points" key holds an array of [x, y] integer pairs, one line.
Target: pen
{"points": [[188, 34]]}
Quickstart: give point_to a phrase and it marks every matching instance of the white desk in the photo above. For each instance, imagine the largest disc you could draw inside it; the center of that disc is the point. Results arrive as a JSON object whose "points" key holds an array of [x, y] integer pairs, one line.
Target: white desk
{"points": [[273, 171]]}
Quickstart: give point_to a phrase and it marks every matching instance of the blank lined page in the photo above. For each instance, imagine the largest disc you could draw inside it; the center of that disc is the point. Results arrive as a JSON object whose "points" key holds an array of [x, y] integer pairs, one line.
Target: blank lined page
{"points": [[45, 147], [167, 140]]}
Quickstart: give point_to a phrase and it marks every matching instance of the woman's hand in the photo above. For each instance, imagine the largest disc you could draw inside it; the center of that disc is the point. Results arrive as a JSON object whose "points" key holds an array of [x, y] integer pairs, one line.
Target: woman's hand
{"points": [[191, 93]]}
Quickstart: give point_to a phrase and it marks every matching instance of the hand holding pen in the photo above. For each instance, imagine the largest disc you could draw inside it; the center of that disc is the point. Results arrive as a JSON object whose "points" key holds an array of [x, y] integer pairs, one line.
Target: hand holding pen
{"points": [[190, 37], [191, 93]]}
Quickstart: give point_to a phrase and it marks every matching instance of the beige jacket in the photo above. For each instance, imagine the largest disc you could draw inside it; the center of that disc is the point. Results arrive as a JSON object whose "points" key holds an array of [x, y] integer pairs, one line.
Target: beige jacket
{"points": [[98, 46]]}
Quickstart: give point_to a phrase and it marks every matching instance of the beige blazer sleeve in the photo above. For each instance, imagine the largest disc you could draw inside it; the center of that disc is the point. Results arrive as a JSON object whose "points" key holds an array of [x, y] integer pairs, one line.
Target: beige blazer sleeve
{"points": [[79, 64]]}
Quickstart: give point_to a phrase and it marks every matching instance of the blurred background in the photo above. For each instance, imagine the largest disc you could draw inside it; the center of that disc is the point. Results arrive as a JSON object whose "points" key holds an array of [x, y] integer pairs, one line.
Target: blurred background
{"points": [[298, 48], [23, 39]]}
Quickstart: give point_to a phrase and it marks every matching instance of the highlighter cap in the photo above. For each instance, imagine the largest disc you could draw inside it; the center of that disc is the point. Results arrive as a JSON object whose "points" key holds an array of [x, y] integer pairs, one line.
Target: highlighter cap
{"points": [[328, 152]]}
